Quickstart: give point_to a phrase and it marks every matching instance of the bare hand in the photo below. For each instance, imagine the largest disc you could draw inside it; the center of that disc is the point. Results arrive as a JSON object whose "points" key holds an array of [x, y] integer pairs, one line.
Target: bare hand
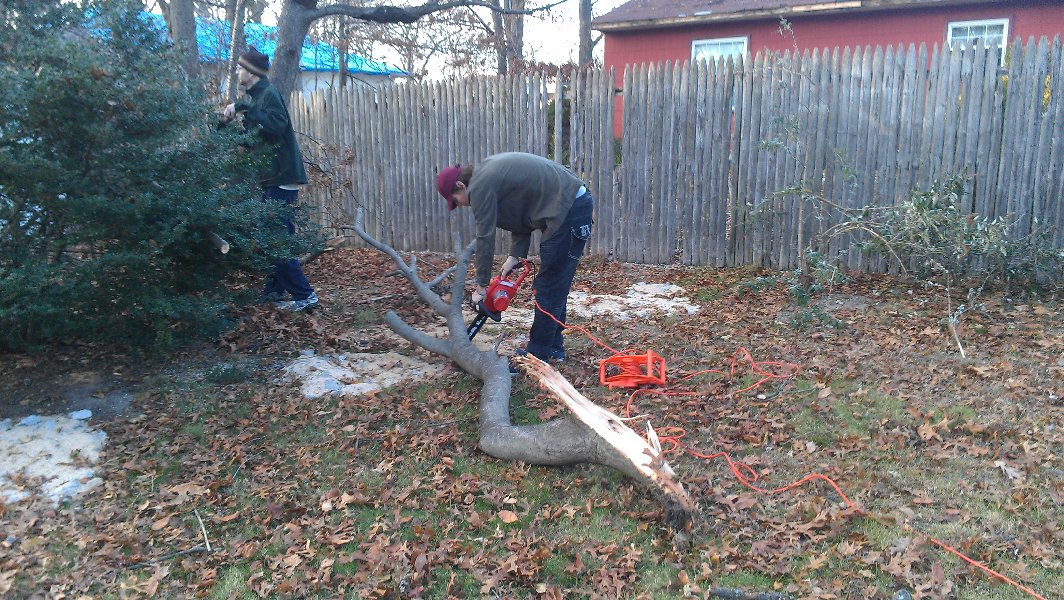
{"points": [[478, 295], [230, 112], [510, 264]]}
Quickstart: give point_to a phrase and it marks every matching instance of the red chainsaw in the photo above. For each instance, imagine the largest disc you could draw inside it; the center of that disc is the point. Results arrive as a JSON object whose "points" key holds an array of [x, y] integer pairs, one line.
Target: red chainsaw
{"points": [[500, 292]]}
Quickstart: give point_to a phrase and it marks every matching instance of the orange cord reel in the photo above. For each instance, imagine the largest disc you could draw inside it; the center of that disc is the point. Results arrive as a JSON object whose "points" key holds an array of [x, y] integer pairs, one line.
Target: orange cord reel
{"points": [[632, 370]]}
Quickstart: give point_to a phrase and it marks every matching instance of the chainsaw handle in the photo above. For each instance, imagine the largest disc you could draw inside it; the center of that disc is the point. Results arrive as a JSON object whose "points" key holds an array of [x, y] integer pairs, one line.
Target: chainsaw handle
{"points": [[521, 263]]}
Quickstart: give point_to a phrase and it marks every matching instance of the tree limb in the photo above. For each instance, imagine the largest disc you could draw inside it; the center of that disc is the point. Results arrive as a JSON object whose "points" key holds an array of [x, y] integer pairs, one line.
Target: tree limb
{"points": [[589, 435], [407, 14]]}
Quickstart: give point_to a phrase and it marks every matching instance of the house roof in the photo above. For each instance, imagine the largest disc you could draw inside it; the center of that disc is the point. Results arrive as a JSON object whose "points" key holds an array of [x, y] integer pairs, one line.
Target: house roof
{"points": [[643, 14], [212, 37]]}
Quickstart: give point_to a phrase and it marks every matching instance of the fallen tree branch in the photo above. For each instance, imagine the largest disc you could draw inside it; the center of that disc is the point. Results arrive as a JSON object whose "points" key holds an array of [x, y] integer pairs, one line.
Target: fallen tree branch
{"points": [[589, 435], [330, 245]]}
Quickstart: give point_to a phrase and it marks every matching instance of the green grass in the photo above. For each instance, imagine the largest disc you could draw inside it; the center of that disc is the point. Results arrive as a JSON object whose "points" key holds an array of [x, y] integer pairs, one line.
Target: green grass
{"points": [[231, 585], [227, 374], [421, 475], [745, 580], [705, 295], [440, 585]]}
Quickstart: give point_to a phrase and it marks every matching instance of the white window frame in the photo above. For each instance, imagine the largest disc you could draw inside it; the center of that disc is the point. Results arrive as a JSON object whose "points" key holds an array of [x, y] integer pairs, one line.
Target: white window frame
{"points": [[981, 22], [727, 40]]}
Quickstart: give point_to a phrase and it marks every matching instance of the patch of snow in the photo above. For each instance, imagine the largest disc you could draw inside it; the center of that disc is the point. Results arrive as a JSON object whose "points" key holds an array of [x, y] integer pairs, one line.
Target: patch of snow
{"points": [[355, 374], [52, 456]]}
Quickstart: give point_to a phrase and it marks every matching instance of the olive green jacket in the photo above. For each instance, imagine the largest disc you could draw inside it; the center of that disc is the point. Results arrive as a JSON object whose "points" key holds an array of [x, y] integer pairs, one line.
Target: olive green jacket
{"points": [[520, 193]]}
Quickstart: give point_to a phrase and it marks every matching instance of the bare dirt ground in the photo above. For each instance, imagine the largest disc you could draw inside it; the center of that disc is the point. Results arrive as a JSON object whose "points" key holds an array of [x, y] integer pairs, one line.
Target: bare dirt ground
{"points": [[927, 443]]}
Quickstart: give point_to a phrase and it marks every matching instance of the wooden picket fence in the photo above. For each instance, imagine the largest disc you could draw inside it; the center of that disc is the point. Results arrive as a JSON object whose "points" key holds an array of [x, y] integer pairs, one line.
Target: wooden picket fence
{"points": [[707, 148]]}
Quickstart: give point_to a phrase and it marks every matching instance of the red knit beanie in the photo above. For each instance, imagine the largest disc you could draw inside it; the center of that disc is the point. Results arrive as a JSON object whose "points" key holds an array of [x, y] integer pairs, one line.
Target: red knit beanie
{"points": [[445, 183]]}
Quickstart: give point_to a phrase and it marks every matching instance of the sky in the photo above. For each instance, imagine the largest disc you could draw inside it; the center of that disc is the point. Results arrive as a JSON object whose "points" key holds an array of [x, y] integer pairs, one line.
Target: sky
{"points": [[548, 40], [558, 41]]}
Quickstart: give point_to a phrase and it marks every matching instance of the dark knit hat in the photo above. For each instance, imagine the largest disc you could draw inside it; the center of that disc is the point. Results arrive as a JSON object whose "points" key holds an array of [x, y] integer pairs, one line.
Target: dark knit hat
{"points": [[445, 183], [255, 62]]}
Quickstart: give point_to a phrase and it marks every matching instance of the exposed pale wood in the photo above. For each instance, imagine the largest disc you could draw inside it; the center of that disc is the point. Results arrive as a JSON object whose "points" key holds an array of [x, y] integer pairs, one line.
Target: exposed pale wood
{"points": [[648, 461], [219, 243]]}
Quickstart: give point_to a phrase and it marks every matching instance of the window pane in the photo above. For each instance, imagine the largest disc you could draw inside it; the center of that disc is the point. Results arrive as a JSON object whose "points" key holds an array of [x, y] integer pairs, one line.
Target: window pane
{"points": [[710, 49]]}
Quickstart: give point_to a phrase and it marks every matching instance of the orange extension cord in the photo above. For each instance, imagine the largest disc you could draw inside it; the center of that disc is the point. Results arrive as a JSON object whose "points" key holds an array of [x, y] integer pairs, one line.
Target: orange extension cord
{"points": [[649, 369]]}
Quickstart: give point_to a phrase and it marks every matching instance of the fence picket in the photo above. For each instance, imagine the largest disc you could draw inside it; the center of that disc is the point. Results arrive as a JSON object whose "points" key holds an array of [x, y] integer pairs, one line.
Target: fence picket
{"points": [[694, 181]]}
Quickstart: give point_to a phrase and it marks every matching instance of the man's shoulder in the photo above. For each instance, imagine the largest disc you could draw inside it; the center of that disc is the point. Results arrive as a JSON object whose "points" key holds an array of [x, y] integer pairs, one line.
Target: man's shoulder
{"points": [[263, 88]]}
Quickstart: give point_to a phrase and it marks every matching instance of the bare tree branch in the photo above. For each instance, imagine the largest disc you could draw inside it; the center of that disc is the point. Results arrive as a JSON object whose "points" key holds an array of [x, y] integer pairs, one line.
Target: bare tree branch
{"points": [[589, 435], [409, 14]]}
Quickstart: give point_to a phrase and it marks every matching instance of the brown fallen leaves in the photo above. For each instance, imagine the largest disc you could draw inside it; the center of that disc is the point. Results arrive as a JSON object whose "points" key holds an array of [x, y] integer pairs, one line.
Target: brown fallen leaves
{"points": [[387, 496]]}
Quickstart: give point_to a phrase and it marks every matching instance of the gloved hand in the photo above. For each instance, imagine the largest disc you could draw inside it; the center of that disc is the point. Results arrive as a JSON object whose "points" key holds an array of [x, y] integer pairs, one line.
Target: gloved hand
{"points": [[510, 264]]}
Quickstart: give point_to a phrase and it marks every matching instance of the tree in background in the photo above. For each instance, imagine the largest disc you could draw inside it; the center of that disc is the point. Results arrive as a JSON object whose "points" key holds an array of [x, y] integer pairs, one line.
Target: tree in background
{"points": [[113, 181], [297, 16], [587, 43]]}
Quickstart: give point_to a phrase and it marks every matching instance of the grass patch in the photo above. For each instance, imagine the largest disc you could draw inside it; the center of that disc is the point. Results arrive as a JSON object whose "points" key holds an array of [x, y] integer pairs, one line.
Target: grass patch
{"points": [[227, 374], [231, 585], [744, 580]]}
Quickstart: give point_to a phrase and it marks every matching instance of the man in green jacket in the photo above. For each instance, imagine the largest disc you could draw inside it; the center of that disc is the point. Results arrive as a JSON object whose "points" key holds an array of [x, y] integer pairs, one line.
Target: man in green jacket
{"points": [[264, 112], [522, 193]]}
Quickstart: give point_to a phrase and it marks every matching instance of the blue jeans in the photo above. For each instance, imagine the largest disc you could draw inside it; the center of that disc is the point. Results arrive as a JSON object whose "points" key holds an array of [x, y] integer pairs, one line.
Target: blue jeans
{"points": [[287, 276], [558, 256]]}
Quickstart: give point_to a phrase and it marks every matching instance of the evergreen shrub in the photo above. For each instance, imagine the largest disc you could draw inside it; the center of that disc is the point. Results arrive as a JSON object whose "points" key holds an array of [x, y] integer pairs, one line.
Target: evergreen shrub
{"points": [[113, 178]]}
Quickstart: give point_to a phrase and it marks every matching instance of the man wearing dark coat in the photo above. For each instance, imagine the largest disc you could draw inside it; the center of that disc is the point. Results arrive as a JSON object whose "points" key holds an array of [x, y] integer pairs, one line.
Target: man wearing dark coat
{"points": [[264, 112]]}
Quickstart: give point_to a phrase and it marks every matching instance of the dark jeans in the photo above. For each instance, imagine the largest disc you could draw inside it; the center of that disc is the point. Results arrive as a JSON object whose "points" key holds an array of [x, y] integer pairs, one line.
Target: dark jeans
{"points": [[558, 256], [287, 276]]}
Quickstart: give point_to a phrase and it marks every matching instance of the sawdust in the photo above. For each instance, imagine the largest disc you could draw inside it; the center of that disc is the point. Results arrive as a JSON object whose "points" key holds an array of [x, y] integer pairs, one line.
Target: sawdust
{"points": [[355, 374], [52, 456]]}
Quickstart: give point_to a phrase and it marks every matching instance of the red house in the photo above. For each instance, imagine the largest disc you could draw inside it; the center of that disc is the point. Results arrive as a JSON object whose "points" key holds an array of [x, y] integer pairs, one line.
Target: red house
{"points": [[651, 31]]}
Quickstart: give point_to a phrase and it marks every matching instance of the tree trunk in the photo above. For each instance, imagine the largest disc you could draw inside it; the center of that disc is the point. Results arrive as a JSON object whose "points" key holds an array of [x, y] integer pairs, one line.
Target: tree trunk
{"points": [[584, 51], [500, 40], [236, 47], [292, 28], [515, 35], [590, 435], [183, 33], [343, 47]]}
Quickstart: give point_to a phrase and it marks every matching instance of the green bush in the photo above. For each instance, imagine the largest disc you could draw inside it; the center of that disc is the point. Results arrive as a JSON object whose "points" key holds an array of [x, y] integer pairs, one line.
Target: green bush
{"points": [[113, 177], [938, 238]]}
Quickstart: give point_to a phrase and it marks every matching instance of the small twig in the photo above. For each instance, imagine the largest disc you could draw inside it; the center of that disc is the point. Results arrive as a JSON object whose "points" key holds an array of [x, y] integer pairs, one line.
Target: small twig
{"points": [[203, 530], [951, 319], [193, 550], [736, 594], [375, 299]]}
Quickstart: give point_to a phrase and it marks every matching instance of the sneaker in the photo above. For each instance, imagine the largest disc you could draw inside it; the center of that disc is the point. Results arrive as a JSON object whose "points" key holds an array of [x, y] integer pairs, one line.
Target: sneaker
{"points": [[306, 303], [298, 305]]}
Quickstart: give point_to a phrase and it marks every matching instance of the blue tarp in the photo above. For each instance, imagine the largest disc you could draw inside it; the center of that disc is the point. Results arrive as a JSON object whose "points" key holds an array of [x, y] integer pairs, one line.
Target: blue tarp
{"points": [[212, 36]]}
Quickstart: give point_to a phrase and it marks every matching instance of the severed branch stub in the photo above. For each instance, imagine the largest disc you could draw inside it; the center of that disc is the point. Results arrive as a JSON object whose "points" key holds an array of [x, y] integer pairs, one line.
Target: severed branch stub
{"points": [[218, 242], [590, 434]]}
